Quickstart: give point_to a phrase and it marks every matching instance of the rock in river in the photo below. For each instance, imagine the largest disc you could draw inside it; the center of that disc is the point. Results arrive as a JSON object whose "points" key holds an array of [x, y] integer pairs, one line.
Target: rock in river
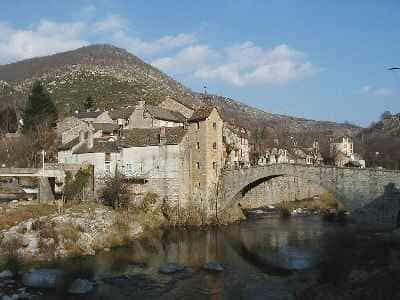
{"points": [[42, 278], [6, 274], [81, 286], [213, 266], [171, 268]]}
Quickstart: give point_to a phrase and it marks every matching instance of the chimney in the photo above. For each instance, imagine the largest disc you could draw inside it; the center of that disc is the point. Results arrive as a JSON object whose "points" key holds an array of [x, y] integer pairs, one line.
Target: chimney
{"points": [[90, 140], [163, 136]]}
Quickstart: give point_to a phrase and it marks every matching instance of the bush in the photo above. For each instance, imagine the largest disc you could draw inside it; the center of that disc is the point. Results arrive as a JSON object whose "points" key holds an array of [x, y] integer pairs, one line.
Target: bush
{"points": [[115, 192]]}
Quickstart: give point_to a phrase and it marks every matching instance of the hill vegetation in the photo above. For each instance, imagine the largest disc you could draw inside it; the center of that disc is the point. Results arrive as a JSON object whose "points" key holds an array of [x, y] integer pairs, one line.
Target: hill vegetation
{"points": [[114, 78]]}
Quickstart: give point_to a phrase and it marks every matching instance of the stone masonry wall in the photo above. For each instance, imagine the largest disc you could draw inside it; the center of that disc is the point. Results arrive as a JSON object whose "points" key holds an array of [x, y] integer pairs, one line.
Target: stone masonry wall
{"points": [[279, 189]]}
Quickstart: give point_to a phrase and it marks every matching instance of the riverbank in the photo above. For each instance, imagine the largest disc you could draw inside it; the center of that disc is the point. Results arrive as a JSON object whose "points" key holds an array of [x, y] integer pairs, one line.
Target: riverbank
{"points": [[37, 232]]}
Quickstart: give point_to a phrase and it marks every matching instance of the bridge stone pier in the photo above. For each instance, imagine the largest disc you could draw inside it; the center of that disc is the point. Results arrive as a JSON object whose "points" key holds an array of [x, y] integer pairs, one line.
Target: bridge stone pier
{"points": [[371, 195]]}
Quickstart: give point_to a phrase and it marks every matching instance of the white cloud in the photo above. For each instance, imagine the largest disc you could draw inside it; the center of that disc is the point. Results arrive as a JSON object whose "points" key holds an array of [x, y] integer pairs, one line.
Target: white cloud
{"points": [[45, 38], [375, 91], [49, 37], [142, 47], [188, 59], [241, 64], [111, 23]]}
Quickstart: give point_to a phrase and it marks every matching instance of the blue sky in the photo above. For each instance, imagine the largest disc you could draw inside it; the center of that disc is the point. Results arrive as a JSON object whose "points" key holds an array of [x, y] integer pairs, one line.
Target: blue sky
{"points": [[324, 60]]}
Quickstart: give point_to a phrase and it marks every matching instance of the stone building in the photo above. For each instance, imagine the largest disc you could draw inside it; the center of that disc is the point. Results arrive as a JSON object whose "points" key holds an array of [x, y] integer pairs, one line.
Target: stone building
{"points": [[293, 155], [205, 132], [157, 159], [100, 152], [342, 151], [146, 116], [94, 116], [69, 128], [236, 146], [149, 116], [181, 164], [175, 105]]}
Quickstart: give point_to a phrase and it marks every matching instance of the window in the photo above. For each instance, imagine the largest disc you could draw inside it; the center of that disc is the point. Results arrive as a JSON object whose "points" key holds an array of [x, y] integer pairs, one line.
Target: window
{"points": [[214, 145], [198, 165], [215, 125], [108, 157], [198, 184], [107, 167], [198, 125], [224, 139], [129, 168], [214, 165], [198, 145]]}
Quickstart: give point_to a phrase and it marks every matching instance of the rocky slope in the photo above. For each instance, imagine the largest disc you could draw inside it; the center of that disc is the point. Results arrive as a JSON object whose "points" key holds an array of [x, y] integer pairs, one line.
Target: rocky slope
{"points": [[114, 77]]}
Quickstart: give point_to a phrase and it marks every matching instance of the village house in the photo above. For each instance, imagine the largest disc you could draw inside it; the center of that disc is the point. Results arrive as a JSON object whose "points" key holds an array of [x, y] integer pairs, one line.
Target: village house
{"points": [[91, 148], [146, 116], [293, 155], [342, 151], [97, 116], [236, 146], [178, 163]]}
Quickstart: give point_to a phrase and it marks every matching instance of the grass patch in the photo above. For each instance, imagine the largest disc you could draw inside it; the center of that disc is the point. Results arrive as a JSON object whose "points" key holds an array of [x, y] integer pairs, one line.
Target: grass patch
{"points": [[21, 213]]}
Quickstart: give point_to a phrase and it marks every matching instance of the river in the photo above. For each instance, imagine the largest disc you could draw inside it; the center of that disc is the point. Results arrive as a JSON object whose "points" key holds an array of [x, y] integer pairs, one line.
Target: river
{"points": [[258, 256]]}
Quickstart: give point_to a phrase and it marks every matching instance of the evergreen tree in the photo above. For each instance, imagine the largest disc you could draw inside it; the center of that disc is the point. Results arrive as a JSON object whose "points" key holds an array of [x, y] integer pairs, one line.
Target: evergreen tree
{"points": [[40, 110], [89, 102]]}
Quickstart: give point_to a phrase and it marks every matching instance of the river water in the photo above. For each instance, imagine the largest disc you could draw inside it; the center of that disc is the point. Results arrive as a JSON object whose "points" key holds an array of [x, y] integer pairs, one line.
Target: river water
{"points": [[258, 258]]}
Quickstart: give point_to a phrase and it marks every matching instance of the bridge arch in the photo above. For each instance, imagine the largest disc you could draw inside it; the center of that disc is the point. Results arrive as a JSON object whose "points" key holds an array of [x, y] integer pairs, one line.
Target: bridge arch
{"points": [[358, 189], [275, 189]]}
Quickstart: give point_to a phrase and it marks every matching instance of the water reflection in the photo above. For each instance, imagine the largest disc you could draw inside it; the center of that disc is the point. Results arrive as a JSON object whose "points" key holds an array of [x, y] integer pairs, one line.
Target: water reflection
{"points": [[257, 256]]}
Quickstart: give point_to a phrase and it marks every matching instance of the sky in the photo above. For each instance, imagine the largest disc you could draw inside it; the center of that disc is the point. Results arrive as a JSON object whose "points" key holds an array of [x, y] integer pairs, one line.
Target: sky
{"points": [[324, 60]]}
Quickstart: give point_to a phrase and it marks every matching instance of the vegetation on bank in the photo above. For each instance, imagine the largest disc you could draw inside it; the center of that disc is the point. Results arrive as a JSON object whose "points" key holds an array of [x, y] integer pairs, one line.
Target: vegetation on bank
{"points": [[357, 265], [323, 201], [12, 216]]}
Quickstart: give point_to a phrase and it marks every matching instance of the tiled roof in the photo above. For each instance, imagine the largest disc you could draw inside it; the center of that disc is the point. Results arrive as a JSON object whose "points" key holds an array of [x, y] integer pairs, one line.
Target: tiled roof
{"points": [[201, 114], [121, 113], [69, 145], [105, 127], [164, 114], [99, 146], [88, 114], [151, 136]]}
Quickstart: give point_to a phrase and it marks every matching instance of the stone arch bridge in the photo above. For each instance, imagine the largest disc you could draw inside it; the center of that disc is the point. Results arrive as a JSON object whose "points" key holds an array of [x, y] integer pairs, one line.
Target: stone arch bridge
{"points": [[371, 195]]}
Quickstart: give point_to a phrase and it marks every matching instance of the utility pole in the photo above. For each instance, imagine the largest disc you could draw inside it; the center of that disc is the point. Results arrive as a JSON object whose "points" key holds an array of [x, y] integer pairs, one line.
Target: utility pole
{"points": [[43, 154]]}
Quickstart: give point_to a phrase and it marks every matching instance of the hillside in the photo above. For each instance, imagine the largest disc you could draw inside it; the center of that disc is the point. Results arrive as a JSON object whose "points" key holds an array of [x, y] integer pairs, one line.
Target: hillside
{"points": [[114, 77]]}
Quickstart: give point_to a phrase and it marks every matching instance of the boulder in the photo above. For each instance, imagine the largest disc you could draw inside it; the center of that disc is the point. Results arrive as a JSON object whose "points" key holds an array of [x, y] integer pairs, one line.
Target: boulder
{"points": [[6, 274], [213, 266], [81, 286], [171, 268], [42, 278]]}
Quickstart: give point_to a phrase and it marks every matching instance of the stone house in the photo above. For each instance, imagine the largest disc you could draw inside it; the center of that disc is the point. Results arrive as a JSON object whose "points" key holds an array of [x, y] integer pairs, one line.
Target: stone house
{"points": [[236, 146], [69, 128], [342, 151], [179, 163], [156, 158], [94, 116], [175, 105], [149, 116], [102, 153], [146, 116], [206, 151]]}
